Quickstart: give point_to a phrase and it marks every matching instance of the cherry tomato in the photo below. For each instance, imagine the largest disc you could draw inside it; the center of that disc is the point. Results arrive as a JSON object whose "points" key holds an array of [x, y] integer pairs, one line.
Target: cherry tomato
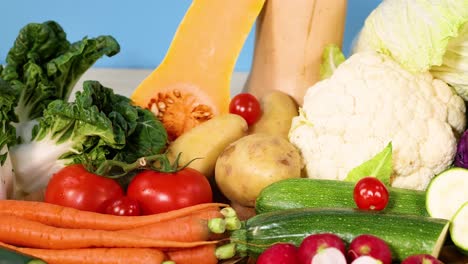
{"points": [[370, 194], [123, 206], [73, 186], [247, 106], [158, 192]]}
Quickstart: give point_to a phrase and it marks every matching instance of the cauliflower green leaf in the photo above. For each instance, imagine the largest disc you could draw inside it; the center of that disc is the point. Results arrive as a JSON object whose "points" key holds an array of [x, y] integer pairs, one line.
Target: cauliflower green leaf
{"points": [[331, 58], [380, 166]]}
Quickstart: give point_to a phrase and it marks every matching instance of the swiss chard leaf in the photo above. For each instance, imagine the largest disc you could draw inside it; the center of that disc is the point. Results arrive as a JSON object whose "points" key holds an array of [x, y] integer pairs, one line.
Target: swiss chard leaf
{"points": [[7, 116], [44, 66], [380, 166]]}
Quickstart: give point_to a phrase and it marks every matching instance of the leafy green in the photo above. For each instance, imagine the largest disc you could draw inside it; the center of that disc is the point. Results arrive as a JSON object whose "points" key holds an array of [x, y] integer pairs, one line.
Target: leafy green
{"points": [[7, 137], [422, 35], [380, 166], [331, 58], [44, 66], [97, 127], [7, 116]]}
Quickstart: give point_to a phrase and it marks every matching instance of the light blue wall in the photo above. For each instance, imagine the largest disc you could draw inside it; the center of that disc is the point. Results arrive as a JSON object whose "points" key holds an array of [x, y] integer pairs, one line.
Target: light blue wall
{"points": [[144, 28]]}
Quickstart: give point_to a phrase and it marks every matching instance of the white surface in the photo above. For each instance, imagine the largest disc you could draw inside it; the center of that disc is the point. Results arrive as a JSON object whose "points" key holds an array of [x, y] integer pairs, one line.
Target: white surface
{"points": [[124, 81]]}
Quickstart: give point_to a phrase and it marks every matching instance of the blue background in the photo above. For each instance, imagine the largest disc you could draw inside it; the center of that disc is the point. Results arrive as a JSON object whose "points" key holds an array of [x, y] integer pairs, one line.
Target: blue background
{"points": [[144, 28]]}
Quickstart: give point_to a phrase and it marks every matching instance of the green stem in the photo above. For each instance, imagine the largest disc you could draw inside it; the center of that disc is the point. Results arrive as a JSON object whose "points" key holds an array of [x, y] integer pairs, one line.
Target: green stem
{"points": [[217, 225], [226, 251]]}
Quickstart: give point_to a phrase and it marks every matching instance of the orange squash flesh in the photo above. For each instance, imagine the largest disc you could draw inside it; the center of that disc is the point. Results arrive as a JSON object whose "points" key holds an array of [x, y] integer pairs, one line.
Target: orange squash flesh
{"points": [[192, 84]]}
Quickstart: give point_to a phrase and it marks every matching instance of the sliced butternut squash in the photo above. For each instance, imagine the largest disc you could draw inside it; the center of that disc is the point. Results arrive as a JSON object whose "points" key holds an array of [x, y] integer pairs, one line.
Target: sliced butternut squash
{"points": [[192, 83], [289, 42]]}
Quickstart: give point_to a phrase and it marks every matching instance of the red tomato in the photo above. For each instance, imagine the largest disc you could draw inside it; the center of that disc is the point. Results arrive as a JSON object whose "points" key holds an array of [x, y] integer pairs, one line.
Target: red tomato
{"points": [[370, 194], [159, 192], [123, 206], [247, 106], [73, 186]]}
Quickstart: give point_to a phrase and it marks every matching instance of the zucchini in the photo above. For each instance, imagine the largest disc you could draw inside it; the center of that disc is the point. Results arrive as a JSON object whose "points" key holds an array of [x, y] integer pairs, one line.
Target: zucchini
{"points": [[12, 257], [459, 228], [447, 192], [303, 192], [405, 234]]}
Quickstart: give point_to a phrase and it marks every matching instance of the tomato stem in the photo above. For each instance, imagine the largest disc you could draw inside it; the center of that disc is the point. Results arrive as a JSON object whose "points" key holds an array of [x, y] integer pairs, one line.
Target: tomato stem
{"points": [[115, 169]]}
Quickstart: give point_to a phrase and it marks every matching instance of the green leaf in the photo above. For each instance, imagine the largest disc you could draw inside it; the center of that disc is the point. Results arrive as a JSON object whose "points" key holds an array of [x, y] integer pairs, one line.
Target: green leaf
{"points": [[44, 66], [331, 58], [380, 166]]}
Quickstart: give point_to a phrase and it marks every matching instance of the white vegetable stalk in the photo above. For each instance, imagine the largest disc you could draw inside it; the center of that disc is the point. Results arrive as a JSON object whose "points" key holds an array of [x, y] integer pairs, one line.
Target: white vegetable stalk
{"points": [[6, 176], [35, 163]]}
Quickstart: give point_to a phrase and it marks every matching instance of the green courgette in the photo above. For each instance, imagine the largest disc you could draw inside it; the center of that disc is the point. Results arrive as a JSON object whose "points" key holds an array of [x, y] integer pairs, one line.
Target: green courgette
{"points": [[12, 257], [447, 192], [301, 193], [459, 228], [405, 234]]}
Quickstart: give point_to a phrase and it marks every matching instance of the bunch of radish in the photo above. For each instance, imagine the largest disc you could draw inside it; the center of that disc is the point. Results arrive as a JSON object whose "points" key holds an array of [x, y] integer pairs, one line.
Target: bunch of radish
{"points": [[327, 248]]}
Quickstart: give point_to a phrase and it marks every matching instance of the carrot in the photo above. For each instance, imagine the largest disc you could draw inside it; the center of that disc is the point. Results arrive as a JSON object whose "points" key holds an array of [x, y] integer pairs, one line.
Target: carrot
{"points": [[23, 232], [201, 254], [93, 255], [60, 216], [185, 229]]}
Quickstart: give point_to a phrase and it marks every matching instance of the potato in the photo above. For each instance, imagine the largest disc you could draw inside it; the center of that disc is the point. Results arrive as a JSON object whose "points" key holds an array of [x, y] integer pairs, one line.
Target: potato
{"points": [[206, 141], [278, 110], [251, 163]]}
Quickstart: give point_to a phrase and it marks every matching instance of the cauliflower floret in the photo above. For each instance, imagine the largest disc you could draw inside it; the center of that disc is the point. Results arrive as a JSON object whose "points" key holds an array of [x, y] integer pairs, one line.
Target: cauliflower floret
{"points": [[369, 101]]}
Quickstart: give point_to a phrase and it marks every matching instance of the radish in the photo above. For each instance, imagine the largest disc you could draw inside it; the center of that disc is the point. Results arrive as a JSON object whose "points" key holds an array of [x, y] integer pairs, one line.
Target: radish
{"points": [[366, 260], [329, 255], [421, 259], [281, 253], [369, 245], [313, 244]]}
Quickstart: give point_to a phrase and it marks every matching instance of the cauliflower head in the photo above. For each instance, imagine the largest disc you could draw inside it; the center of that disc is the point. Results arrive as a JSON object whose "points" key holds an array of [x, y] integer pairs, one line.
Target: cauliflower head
{"points": [[369, 101]]}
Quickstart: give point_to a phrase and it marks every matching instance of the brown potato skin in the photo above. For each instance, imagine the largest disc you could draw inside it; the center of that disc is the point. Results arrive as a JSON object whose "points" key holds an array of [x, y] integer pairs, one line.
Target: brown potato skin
{"points": [[205, 142], [253, 162], [278, 110]]}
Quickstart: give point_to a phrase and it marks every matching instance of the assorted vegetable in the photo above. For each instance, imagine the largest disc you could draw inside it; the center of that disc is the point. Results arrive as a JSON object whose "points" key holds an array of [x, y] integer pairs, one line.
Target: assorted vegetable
{"points": [[159, 192], [289, 42], [278, 109], [405, 235], [73, 186], [314, 193], [370, 194], [439, 46], [247, 106], [368, 167], [177, 235], [183, 96], [253, 162], [369, 101], [447, 192]]}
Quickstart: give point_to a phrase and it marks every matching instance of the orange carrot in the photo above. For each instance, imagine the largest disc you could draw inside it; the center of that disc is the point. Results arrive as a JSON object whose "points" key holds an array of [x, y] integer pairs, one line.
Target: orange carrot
{"points": [[60, 216], [201, 254], [185, 229], [93, 255], [23, 232]]}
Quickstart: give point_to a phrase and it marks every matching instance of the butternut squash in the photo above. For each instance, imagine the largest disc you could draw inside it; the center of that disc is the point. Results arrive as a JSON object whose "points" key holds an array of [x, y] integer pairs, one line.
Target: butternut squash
{"points": [[289, 42], [192, 83]]}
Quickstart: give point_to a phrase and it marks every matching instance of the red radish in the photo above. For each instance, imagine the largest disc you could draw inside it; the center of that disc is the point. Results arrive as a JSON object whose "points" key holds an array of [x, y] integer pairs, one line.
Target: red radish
{"points": [[329, 255], [281, 253], [366, 260], [313, 244], [421, 259], [369, 245]]}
